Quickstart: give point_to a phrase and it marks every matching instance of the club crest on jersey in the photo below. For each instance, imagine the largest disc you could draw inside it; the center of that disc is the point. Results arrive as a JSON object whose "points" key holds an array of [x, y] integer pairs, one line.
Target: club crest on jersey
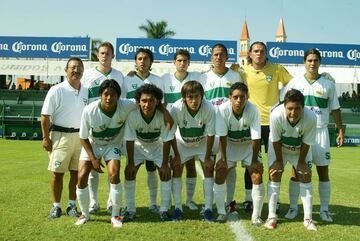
{"points": [[97, 81], [212, 84], [102, 127], [141, 129], [134, 86], [245, 126], [269, 78], [156, 129], [228, 84], [120, 123], [319, 92], [85, 101], [185, 122], [172, 88]]}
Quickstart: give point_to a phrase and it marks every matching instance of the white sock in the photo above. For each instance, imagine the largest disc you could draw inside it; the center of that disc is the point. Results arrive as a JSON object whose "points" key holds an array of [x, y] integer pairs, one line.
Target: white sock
{"points": [[109, 203], [294, 191], [190, 188], [130, 195], [152, 182], [306, 193], [93, 183], [115, 195], [83, 200], [258, 200], [165, 189], [208, 189], [71, 202], [176, 189], [324, 193], [219, 195], [230, 185], [273, 197], [57, 205], [248, 193]]}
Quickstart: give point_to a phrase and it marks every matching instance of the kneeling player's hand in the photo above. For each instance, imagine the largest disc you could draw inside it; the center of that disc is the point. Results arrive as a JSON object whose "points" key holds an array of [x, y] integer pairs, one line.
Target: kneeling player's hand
{"points": [[97, 165], [130, 171], [165, 172], [303, 172], [276, 167]]}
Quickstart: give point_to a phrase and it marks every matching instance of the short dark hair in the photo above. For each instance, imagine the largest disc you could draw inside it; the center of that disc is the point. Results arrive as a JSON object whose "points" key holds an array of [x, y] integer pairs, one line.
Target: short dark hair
{"points": [[248, 59], [108, 45], [239, 86], [148, 89], [220, 45], [312, 51], [182, 52], [294, 95], [74, 59], [146, 51], [110, 83], [192, 86]]}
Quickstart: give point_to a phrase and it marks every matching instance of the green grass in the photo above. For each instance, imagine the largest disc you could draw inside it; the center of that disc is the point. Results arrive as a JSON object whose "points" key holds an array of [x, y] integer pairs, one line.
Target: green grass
{"points": [[25, 202]]}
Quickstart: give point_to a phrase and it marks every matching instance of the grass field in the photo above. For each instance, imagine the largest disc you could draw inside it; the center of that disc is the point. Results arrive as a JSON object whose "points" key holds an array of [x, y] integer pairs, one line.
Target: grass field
{"points": [[25, 203]]}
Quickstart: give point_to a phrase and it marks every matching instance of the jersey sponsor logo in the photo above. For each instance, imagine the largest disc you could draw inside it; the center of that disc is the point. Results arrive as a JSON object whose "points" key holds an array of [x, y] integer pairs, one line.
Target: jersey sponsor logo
{"points": [[269, 78], [316, 110]]}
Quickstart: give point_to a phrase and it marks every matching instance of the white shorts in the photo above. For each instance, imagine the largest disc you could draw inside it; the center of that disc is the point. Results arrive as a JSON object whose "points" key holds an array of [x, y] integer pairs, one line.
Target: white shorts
{"points": [[244, 163], [141, 154], [108, 152], [321, 150], [287, 157]]}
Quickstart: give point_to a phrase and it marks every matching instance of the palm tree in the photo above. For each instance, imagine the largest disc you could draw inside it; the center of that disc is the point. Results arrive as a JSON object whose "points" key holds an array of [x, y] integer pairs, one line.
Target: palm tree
{"points": [[156, 29], [95, 43]]}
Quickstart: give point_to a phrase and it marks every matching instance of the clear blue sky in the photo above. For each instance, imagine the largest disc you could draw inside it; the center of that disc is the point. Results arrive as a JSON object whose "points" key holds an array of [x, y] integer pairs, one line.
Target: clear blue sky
{"points": [[311, 21]]}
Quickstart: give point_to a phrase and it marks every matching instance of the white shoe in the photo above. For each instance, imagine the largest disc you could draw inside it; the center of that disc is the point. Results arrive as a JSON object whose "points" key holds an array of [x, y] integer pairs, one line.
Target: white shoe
{"points": [[221, 218], [325, 216], [257, 222], [309, 225], [94, 208], [116, 222], [82, 220], [291, 214], [270, 223], [192, 205]]}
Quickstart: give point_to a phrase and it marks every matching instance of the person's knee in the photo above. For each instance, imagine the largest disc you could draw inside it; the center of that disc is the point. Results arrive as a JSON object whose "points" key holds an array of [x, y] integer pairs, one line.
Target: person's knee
{"points": [[275, 177], [256, 178]]}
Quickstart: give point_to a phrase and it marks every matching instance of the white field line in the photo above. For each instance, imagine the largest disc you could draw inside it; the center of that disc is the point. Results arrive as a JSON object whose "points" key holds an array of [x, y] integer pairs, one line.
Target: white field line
{"points": [[236, 227]]}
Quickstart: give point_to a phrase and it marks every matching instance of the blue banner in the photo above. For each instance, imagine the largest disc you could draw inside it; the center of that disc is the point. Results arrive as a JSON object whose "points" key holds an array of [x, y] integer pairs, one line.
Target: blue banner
{"points": [[164, 49], [44, 47], [331, 54], [351, 140]]}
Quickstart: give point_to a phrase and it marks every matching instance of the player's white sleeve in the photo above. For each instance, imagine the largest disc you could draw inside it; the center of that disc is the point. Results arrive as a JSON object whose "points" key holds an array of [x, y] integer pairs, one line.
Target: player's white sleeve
{"points": [[275, 126], [84, 125], [255, 125], [50, 102]]}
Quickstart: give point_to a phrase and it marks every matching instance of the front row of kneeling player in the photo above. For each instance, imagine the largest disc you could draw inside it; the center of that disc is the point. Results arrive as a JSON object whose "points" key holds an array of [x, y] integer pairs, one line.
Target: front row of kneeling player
{"points": [[109, 121]]}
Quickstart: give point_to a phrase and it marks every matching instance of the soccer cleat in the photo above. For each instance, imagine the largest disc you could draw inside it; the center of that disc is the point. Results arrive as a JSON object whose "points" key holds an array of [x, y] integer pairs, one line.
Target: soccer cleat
{"points": [[55, 212], [270, 223], [277, 208], [128, 216], [164, 216], [177, 215], [116, 222], [81, 220], [291, 214], [248, 206], [309, 225], [325, 216], [71, 211], [94, 208], [154, 208], [221, 218], [257, 222], [208, 215], [231, 207], [192, 205]]}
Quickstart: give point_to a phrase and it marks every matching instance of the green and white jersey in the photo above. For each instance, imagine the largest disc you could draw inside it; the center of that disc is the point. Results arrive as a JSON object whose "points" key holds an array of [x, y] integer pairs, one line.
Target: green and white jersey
{"points": [[292, 135], [216, 87], [320, 97], [131, 83], [92, 79], [193, 128], [102, 129], [173, 85], [240, 130]]}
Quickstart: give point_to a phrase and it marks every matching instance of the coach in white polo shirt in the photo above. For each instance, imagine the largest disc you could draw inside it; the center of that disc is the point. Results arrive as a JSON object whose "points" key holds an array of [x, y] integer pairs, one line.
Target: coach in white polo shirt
{"points": [[60, 123]]}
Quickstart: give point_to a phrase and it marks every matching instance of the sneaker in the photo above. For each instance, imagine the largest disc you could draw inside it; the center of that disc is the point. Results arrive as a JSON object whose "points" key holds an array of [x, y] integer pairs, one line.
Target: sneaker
{"points": [[154, 208], [248, 206], [177, 215], [277, 208], [325, 216], [309, 225], [55, 212], [128, 216], [71, 211], [231, 207], [257, 222], [221, 218], [291, 214], [192, 205], [94, 208], [81, 220], [208, 215], [164, 217], [270, 223], [116, 222]]}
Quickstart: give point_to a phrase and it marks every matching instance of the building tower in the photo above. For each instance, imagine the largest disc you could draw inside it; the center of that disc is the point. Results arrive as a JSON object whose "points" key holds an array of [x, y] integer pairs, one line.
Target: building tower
{"points": [[244, 44], [280, 34]]}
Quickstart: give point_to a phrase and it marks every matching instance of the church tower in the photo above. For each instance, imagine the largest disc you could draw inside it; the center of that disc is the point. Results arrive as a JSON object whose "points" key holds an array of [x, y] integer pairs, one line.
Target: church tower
{"points": [[280, 34], [244, 44]]}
